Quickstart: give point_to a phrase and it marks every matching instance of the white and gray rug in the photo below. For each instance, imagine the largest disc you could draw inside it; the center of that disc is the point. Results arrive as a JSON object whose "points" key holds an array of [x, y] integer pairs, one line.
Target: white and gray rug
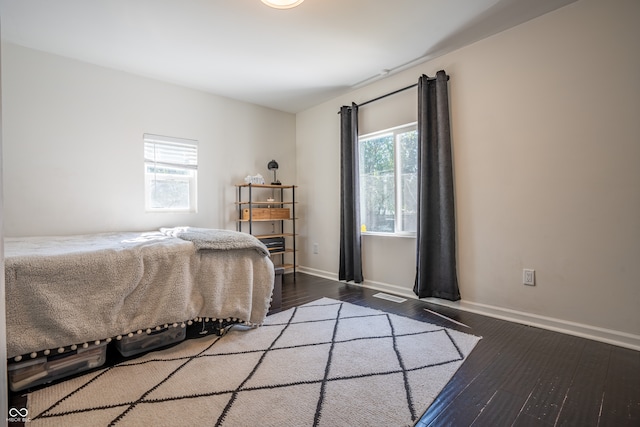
{"points": [[326, 363]]}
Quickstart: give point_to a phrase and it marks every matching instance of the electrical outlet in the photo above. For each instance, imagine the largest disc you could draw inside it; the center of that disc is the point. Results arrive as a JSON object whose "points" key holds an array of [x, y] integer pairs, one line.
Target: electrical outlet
{"points": [[529, 277], [316, 248]]}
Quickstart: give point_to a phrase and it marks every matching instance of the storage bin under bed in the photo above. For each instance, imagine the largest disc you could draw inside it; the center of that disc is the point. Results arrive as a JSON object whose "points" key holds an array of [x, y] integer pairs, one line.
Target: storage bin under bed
{"points": [[42, 370], [143, 342]]}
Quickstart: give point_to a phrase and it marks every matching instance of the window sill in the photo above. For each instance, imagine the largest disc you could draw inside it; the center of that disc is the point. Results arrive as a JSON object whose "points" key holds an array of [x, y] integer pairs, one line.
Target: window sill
{"points": [[173, 211], [404, 236]]}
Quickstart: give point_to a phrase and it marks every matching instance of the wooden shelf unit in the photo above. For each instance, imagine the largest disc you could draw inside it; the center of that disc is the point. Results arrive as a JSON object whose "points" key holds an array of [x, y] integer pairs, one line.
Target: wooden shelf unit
{"points": [[246, 200]]}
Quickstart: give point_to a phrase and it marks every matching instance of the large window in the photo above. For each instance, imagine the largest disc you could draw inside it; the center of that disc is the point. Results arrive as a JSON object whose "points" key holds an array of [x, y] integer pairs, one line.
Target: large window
{"points": [[388, 180], [170, 170]]}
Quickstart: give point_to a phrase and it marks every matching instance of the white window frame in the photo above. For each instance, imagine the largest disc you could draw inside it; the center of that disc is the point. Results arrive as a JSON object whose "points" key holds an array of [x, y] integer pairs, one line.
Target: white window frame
{"points": [[395, 131], [184, 156]]}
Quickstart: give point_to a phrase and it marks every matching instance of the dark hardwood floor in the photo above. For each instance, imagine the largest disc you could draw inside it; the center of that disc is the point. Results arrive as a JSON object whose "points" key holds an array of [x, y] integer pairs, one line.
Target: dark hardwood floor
{"points": [[517, 375]]}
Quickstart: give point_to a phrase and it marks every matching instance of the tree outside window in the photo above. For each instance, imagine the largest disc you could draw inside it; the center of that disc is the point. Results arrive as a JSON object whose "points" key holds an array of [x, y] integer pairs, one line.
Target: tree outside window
{"points": [[388, 180]]}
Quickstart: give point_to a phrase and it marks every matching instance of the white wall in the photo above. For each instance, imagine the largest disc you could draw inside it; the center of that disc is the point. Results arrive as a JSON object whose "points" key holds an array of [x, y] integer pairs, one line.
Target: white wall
{"points": [[546, 143], [73, 157]]}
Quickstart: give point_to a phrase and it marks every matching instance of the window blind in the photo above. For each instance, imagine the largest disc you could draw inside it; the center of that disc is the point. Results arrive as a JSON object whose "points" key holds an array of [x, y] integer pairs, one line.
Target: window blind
{"points": [[169, 151]]}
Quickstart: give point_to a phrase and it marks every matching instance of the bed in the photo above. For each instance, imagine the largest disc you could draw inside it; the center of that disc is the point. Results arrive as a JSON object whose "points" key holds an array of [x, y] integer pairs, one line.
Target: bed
{"points": [[65, 292]]}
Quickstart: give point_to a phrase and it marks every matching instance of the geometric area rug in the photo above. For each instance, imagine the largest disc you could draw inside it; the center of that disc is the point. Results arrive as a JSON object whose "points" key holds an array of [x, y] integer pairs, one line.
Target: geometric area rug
{"points": [[326, 363]]}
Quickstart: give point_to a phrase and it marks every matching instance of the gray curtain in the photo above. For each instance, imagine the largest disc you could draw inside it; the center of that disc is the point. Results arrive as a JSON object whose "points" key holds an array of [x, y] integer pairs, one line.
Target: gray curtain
{"points": [[350, 254], [436, 274]]}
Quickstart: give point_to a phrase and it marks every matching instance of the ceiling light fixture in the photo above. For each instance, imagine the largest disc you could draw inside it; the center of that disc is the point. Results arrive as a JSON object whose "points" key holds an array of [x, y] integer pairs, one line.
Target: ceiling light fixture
{"points": [[282, 4]]}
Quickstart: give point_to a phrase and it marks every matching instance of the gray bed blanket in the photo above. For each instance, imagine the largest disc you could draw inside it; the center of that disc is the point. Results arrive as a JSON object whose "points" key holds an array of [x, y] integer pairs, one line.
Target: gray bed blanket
{"points": [[71, 290], [213, 239]]}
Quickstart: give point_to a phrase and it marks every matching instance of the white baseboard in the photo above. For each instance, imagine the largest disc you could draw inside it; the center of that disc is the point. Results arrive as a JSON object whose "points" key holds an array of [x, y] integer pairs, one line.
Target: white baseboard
{"points": [[318, 273], [609, 336]]}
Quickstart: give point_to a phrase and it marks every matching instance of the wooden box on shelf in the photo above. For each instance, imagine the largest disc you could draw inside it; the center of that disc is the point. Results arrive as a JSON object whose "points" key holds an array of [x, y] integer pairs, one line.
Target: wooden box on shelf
{"points": [[256, 213], [279, 213], [266, 213]]}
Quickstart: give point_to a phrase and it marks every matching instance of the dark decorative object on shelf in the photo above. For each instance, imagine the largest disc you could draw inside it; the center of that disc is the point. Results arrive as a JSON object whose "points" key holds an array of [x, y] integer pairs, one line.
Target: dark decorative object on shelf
{"points": [[273, 165]]}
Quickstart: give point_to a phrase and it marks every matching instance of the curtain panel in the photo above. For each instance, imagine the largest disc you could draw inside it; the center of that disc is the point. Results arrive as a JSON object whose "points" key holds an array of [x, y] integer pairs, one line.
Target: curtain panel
{"points": [[350, 237], [436, 271]]}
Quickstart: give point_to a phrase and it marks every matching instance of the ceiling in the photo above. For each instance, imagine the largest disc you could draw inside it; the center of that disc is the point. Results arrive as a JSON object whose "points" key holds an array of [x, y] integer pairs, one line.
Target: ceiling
{"points": [[289, 60]]}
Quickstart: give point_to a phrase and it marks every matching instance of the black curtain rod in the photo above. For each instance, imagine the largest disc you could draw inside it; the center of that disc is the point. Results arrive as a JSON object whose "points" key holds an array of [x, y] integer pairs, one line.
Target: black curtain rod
{"points": [[392, 93], [387, 94]]}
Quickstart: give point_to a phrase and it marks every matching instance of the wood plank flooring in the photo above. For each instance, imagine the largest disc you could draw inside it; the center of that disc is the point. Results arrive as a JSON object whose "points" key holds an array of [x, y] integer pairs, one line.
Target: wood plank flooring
{"points": [[517, 375]]}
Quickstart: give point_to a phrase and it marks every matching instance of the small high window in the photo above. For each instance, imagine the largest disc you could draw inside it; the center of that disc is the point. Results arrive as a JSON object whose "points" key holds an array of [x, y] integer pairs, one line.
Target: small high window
{"points": [[388, 180], [170, 170]]}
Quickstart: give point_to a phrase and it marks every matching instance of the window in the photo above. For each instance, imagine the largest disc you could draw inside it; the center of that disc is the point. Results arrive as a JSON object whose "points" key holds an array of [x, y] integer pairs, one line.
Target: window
{"points": [[170, 171], [388, 180]]}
